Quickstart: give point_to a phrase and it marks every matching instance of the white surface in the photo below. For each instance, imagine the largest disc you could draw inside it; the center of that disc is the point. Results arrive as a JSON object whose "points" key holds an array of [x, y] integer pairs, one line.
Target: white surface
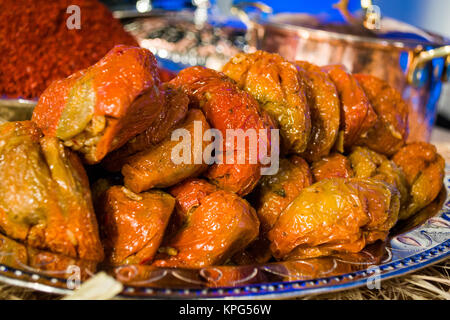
{"points": [[441, 139]]}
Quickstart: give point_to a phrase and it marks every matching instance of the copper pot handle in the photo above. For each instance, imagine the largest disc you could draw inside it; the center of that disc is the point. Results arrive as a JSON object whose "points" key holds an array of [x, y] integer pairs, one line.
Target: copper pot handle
{"points": [[254, 29], [414, 74]]}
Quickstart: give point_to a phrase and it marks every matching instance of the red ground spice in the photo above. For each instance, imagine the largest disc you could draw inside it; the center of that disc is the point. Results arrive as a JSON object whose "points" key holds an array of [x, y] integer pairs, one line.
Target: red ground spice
{"points": [[36, 47]]}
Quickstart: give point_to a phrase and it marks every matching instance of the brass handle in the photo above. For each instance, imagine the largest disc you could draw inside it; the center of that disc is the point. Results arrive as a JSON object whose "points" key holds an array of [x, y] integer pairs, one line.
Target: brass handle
{"points": [[420, 60], [446, 76], [254, 29], [372, 15]]}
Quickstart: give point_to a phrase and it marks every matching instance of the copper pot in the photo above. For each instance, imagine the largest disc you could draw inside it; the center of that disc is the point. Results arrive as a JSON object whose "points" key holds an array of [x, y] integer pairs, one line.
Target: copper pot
{"points": [[416, 67]]}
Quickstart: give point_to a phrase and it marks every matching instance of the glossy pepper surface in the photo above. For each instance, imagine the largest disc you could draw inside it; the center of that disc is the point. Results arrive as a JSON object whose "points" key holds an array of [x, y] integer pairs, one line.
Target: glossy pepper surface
{"points": [[45, 200], [97, 110], [226, 107]]}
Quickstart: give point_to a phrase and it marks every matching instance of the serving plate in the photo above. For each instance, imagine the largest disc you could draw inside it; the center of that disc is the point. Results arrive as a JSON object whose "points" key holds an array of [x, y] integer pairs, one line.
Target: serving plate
{"points": [[413, 244]]}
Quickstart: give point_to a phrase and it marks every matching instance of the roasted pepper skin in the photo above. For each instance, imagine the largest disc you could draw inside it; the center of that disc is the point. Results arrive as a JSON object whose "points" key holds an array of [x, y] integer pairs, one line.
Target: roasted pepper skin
{"points": [[227, 107], [100, 108], [390, 131], [367, 163], [424, 170], [279, 89], [133, 225], [273, 195], [155, 168], [171, 115], [14, 254], [188, 194], [324, 105], [357, 114], [335, 215], [220, 226], [257, 252], [276, 192], [334, 165], [45, 200]]}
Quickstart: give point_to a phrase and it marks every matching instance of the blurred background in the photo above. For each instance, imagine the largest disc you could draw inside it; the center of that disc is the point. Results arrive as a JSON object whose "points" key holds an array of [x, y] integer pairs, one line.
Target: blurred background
{"points": [[404, 42], [430, 15]]}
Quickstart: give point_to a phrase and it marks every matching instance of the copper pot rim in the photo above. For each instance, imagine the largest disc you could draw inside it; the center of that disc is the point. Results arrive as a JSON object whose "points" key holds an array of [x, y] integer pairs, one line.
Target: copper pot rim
{"points": [[308, 32]]}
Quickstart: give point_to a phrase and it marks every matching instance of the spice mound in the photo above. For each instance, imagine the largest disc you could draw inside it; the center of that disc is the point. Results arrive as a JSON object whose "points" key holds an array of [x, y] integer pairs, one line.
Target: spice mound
{"points": [[38, 47]]}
